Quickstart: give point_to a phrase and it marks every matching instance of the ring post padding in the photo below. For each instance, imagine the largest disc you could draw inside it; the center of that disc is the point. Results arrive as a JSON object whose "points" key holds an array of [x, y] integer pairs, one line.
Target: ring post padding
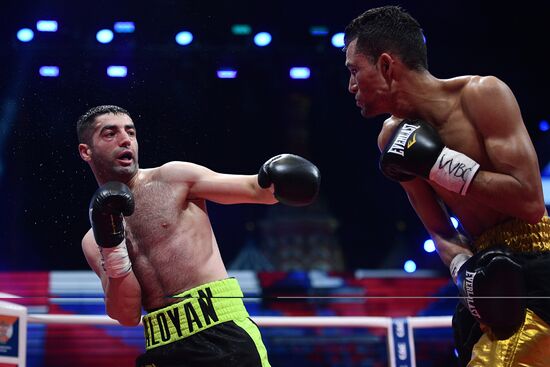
{"points": [[13, 334], [401, 343]]}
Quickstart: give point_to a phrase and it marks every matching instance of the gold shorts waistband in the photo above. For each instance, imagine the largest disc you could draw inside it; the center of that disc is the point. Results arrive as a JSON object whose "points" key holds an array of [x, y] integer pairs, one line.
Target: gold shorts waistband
{"points": [[517, 235]]}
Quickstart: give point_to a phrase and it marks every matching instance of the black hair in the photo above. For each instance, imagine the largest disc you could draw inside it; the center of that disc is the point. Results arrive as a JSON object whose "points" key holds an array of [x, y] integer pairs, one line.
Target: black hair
{"points": [[388, 28], [84, 125]]}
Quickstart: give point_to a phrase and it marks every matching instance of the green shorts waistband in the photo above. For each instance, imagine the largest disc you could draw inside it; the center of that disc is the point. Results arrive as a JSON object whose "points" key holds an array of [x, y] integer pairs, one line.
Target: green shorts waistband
{"points": [[200, 308]]}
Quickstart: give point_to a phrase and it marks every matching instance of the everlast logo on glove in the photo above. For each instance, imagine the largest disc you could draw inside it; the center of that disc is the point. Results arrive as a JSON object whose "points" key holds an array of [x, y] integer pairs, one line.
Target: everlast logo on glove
{"points": [[427, 157], [469, 287], [400, 142], [492, 287]]}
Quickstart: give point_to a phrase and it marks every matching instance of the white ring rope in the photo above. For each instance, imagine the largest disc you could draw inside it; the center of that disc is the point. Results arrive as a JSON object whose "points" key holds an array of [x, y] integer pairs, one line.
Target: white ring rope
{"points": [[419, 322], [400, 331]]}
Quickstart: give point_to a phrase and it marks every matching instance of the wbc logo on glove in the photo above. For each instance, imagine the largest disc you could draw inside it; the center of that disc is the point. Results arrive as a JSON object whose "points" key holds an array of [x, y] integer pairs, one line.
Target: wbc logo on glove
{"points": [[427, 157]]}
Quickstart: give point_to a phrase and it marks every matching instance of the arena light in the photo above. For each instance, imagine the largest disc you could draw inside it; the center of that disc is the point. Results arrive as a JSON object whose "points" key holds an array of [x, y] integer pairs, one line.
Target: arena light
{"points": [[25, 35], [409, 266], [338, 40], [184, 38], [300, 72], [429, 245], [227, 73], [241, 29], [455, 222], [318, 30], [124, 27], [104, 36], [544, 125], [49, 71], [546, 190], [262, 39], [46, 26], [117, 71]]}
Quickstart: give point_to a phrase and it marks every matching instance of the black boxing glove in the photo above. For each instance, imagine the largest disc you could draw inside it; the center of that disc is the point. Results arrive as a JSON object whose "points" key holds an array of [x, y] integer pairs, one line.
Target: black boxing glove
{"points": [[110, 203], [295, 179], [415, 149], [492, 286]]}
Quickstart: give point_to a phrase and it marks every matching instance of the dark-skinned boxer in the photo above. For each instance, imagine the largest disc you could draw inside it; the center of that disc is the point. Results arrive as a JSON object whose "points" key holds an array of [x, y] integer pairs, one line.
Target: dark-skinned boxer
{"points": [[459, 146]]}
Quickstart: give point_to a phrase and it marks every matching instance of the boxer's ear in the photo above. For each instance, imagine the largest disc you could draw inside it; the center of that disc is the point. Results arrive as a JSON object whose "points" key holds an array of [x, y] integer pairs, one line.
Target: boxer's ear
{"points": [[386, 64], [85, 152]]}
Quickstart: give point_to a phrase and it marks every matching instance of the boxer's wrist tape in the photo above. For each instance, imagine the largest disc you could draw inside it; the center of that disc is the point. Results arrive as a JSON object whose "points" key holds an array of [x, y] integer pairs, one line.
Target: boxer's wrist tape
{"points": [[454, 171], [115, 260], [456, 264]]}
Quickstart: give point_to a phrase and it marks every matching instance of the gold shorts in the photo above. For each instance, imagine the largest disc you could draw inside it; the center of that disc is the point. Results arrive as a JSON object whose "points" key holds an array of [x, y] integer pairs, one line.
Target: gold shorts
{"points": [[517, 235], [530, 345]]}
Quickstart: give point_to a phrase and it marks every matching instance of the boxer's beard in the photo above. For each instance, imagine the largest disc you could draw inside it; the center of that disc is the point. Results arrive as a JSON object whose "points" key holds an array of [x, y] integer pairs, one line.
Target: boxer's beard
{"points": [[110, 170]]}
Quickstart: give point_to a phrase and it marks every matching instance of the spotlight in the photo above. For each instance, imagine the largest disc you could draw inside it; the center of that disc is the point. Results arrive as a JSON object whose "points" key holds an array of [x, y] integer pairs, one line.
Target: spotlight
{"points": [[338, 40], [300, 72], [124, 27], [262, 39], [546, 190], [104, 36], [46, 26], [454, 221], [117, 71], [544, 125], [25, 35], [409, 266], [227, 73], [429, 245], [318, 30], [241, 29], [49, 71], [184, 38]]}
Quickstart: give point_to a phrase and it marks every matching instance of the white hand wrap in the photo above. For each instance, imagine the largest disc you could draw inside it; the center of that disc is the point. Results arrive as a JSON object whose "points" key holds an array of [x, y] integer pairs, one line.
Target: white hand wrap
{"points": [[454, 171], [456, 263], [115, 260]]}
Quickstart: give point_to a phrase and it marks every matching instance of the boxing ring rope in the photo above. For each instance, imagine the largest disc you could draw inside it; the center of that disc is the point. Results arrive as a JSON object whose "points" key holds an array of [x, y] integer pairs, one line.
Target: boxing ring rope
{"points": [[422, 322], [400, 338]]}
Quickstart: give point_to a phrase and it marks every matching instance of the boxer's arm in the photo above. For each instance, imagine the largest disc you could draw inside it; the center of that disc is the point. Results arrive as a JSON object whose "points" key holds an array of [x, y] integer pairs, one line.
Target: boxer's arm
{"points": [[429, 207], [433, 214], [514, 188], [122, 295], [489, 273], [221, 188]]}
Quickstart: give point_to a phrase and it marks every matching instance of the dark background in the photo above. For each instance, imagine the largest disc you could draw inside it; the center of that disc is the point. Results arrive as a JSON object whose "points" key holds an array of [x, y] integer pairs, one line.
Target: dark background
{"points": [[183, 112]]}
